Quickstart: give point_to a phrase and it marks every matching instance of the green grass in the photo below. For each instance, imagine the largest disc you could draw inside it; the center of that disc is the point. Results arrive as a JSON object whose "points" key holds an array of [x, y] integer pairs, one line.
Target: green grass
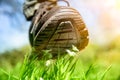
{"points": [[93, 63], [67, 67]]}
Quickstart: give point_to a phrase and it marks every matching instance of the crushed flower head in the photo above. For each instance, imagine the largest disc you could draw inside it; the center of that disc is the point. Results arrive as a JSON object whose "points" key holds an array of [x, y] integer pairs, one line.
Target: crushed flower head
{"points": [[41, 78], [71, 53], [75, 48]]}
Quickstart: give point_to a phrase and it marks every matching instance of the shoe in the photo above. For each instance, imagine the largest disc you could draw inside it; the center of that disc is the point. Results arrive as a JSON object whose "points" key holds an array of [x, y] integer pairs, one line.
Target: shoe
{"points": [[58, 29]]}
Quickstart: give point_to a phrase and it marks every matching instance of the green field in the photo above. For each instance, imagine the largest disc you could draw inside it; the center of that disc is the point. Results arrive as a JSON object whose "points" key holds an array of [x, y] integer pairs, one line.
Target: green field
{"points": [[93, 63]]}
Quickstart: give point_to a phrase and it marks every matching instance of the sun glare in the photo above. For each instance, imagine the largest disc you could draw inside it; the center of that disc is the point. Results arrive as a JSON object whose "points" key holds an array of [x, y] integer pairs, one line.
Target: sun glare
{"points": [[114, 3], [118, 4]]}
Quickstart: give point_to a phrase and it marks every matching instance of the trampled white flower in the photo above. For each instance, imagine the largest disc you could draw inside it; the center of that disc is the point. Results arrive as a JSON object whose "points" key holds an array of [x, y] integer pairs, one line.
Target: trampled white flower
{"points": [[75, 48], [41, 78], [48, 62], [71, 53]]}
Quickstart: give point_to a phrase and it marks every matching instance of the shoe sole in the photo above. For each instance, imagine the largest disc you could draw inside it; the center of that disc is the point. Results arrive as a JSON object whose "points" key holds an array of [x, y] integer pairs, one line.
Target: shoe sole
{"points": [[59, 29]]}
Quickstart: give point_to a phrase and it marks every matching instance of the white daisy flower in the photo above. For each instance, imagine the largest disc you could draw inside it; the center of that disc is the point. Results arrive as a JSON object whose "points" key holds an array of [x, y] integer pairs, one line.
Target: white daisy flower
{"points": [[41, 78], [75, 48], [48, 62], [71, 53]]}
